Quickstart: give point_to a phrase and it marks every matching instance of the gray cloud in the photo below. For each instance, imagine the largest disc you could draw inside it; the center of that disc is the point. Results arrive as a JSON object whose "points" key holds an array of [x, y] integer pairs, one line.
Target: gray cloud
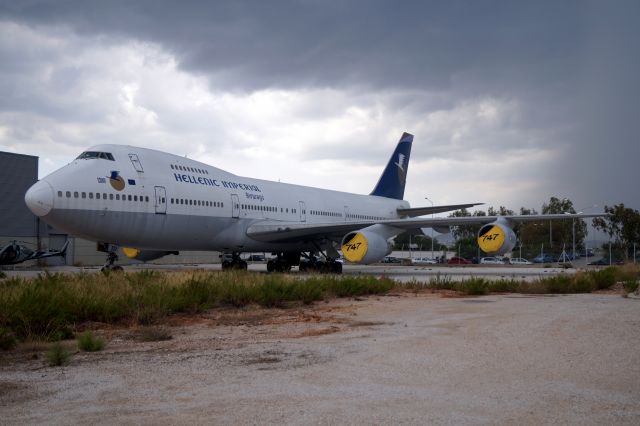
{"points": [[563, 76]]}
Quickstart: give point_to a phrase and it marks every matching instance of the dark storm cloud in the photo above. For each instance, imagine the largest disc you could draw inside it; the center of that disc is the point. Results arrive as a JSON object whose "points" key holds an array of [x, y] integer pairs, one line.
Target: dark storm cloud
{"points": [[570, 66], [251, 45]]}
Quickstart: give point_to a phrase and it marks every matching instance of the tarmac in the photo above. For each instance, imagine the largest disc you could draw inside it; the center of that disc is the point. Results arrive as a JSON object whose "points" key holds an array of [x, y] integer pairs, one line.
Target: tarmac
{"points": [[401, 273]]}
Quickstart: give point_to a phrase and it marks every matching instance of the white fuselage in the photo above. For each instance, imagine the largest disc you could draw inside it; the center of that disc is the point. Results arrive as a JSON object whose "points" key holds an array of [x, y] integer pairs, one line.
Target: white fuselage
{"points": [[149, 199]]}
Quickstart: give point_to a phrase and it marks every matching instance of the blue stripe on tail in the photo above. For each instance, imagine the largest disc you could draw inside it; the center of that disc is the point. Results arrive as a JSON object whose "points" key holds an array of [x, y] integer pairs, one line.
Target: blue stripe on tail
{"points": [[394, 177]]}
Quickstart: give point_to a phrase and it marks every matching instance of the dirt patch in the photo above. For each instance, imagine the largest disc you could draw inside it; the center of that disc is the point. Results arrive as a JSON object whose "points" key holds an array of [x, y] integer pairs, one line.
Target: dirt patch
{"points": [[411, 358]]}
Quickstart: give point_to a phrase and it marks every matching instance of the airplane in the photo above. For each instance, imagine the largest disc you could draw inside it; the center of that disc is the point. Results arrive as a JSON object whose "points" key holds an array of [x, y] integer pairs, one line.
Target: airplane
{"points": [[153, 203], [15, 253]]}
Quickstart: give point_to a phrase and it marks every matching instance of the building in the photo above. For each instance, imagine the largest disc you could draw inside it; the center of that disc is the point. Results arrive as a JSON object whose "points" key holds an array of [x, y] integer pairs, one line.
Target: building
{"points": [[17, 173]]}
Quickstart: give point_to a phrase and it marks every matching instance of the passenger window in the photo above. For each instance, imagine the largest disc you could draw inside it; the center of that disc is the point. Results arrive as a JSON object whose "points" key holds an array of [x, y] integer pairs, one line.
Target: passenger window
{"points": [[111, 196], [59, 193], [75, 195], [104, 196], [135, 198], [129, 197], [171, 166], [97, 195], [117, 197], [84, 195], [68, 194], [221, 204]]}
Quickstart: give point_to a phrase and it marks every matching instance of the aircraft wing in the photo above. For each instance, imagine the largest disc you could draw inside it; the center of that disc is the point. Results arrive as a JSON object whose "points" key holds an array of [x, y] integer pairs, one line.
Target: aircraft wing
{"points": [[422, 211], [276, 231]]}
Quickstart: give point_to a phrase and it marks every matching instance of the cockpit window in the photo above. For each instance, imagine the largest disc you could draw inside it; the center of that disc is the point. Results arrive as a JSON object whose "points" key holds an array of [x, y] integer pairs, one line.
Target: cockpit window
{"points": [[89, 155]]}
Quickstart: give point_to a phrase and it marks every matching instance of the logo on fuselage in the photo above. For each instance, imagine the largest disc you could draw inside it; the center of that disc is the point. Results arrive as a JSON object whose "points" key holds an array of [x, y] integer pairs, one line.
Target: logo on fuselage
{"points": [[116, 181]]}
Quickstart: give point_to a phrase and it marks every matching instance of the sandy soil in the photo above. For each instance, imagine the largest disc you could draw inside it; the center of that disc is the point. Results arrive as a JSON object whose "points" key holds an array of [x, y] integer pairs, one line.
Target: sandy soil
{"points": [[401, 358]]}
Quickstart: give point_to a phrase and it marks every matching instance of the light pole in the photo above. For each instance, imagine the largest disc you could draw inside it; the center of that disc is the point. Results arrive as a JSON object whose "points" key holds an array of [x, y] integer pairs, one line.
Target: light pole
{"points": [[426, 198]]}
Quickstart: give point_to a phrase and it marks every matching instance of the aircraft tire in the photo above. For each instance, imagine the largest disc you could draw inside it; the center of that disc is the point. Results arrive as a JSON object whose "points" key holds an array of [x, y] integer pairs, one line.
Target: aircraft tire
{"points": [[271, 266]]}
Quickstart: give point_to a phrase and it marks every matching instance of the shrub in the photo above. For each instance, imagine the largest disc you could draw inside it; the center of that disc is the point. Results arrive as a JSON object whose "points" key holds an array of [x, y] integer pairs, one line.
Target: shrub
{"points": [[2, 275], [583, 283], [630, 286], [474, 286], [89, 343], [57, 355], [504, 286], [7, 339], [604, 278], [558, 284]]}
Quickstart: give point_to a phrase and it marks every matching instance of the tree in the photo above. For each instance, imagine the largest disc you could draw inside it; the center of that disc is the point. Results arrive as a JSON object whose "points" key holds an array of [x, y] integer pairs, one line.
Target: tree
{"points": [[554, 235], [401, 242], [622, 224]]}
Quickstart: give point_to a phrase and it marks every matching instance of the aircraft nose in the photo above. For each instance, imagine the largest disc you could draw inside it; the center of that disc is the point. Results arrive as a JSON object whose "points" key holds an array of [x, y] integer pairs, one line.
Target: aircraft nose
{"points": [[39, 198]]}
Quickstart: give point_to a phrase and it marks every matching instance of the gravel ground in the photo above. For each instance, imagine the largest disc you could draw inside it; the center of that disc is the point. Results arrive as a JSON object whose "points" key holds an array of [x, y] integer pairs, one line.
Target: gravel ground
{"points": [[405, 358]]}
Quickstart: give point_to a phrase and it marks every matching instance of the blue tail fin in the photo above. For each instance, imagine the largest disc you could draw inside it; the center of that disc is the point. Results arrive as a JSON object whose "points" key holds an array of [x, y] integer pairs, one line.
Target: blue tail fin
{"points": [[391, 183]]}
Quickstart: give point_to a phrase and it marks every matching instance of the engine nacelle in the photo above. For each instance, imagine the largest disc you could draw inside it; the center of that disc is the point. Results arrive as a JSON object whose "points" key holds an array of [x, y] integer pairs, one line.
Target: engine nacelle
{"points": [[497, 238], [146, 255], [365, 246]]}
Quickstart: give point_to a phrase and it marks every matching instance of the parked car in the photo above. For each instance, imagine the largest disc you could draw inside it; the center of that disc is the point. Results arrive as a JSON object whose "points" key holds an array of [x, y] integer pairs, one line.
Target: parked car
{"points": [[458, 261], [391, 259], [544, 258], [519, 261], [491, 261], [423, 261], [256, 258], [605, 262]]}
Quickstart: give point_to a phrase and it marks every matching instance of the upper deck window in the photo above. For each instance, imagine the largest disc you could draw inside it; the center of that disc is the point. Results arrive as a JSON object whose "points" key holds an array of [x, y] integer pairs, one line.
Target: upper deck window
{"points": [[89, 155]]}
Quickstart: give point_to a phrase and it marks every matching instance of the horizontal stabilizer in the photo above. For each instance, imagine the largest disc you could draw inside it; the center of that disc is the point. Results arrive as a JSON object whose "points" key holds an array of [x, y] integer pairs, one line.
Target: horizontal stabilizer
{"points": [[421, 211]]}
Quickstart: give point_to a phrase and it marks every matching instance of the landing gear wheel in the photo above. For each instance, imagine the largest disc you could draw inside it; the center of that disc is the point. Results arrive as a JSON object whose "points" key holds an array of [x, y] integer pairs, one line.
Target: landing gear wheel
{"points": [[234, 263], [110, 265]]}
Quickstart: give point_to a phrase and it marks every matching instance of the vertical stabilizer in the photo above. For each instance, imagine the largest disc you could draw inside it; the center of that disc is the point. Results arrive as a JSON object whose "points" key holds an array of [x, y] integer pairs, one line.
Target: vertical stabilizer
{"points": [[391, 183]]}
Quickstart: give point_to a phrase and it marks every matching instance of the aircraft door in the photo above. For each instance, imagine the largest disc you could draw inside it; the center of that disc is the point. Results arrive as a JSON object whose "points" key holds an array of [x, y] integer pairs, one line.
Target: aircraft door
{"points": [[136, 163], [235, 206], [303, 212], [161, 200], [346, 213]]}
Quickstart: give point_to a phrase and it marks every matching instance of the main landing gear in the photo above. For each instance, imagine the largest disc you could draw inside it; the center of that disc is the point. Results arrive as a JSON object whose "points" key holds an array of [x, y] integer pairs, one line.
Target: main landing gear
{"points": [[311, 263], [112, 257], [283, 262], [233, 261]]}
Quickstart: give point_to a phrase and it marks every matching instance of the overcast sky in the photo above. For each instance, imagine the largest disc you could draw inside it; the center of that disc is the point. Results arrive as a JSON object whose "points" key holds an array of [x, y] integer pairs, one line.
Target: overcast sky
{"points": [[510, 102]]}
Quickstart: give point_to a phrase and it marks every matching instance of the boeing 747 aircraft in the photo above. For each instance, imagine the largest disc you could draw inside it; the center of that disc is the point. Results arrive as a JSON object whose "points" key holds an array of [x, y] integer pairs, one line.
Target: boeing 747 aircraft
{"points": [[153, 203]]}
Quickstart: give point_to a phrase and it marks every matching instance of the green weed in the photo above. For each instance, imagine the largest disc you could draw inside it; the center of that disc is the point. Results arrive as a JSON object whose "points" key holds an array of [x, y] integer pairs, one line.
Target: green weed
{"points": [[7, 339], [89, 343], [58, 355]]}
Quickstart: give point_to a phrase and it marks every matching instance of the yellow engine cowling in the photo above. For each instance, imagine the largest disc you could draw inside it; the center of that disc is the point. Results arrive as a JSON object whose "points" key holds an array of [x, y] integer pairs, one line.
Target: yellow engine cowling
{"points": [[365, 246], [496, 238], [145, 255]]}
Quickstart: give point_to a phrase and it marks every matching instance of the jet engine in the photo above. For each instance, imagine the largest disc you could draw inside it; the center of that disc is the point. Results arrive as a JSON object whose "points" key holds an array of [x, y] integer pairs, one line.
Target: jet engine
{"points": [[367, 245], [497, 238], [146, 255]]}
